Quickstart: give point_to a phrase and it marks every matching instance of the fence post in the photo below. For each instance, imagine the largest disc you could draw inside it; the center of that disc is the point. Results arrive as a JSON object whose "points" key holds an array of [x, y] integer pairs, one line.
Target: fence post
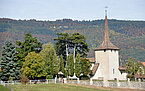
{"points": [[78, 81], [129, 84], [65, 80], [38, 81], [118, 83], [4, 83], [91, 81], [55, 79], [46, 81], [106, 83], [30, 81], [13, 82]]}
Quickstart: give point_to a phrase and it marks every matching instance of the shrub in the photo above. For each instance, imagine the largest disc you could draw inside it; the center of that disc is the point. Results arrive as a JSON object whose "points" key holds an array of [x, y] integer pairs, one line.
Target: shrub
{"points": [[49, 77], [24, 79], [84, 78]]}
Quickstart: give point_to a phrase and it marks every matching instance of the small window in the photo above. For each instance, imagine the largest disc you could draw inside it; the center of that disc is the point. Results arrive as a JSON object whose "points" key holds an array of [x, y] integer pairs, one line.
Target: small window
{"points": [[113, 71], [121, 72]]}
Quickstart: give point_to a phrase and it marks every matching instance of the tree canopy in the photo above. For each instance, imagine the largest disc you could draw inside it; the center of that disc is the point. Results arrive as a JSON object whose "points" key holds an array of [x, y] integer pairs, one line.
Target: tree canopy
{"points": [[50, 58], [33, 66], [68, 42], [132, 68]]}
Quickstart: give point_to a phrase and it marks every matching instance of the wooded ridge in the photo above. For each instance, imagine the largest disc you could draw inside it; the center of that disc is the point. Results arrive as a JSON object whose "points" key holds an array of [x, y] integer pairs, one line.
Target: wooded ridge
{"points": [[129, 36]]}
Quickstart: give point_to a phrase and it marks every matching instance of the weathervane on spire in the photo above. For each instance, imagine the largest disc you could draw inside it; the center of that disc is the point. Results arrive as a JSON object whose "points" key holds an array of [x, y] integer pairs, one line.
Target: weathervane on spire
{"points": [[106, 10]]}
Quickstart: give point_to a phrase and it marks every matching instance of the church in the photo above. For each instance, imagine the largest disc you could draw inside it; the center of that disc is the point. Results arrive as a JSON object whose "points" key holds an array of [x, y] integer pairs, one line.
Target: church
{"points": [[106, 63]]}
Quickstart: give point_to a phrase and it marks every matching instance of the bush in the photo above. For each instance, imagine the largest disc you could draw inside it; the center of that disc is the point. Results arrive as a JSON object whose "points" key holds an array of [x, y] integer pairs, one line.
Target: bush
{"points": [[49, 77], [112, 80], [23, 79], [97, 80], [84, 78]]}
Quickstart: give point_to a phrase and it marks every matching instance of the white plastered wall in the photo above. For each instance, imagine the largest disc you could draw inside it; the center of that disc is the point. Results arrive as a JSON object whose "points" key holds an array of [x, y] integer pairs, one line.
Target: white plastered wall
{"points": [[102, 58], [108, 61]]}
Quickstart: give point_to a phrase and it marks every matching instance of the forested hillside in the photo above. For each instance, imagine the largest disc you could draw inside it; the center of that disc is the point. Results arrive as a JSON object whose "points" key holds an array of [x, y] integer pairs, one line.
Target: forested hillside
{"points": [[129, 36]]}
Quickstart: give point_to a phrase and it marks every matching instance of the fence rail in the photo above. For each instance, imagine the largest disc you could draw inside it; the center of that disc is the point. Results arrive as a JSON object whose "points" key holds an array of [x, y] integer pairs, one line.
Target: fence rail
{"points": [[127, 84]]}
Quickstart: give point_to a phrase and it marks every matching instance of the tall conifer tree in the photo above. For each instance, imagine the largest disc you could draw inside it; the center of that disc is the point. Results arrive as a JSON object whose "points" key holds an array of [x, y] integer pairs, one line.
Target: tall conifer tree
{"points": [[9, 63], [29, 44]]}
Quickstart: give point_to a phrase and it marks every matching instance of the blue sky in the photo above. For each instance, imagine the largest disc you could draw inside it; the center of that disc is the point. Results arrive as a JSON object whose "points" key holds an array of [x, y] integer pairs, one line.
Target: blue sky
{"points": [[72, 9]]}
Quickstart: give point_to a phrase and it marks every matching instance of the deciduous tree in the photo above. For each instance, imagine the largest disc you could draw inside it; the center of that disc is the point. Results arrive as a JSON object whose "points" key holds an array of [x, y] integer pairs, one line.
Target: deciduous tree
{"points": [[33, 66], [78, 66], [70, 65], [61, 64], [132, 67], [50, 58], [85, 66]]}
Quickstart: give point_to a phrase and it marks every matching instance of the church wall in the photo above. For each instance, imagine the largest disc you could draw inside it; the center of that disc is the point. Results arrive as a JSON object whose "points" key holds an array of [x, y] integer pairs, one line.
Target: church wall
{"points": [[108, 65], [114, 72], [102, 58]]}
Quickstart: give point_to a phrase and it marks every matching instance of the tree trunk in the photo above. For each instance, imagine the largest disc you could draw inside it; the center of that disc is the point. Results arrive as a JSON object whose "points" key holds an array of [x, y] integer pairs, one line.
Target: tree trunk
{"points": [[66, 49], [74, 55]]}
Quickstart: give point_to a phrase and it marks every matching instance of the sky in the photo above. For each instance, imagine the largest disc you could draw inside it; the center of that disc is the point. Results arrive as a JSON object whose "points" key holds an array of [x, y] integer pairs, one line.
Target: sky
{"points": [[72, 9]]}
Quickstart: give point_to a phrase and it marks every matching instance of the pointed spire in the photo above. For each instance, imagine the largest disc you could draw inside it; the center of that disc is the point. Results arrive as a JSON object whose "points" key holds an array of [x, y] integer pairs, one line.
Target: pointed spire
{"points": [[106, 43], [106, 35]]}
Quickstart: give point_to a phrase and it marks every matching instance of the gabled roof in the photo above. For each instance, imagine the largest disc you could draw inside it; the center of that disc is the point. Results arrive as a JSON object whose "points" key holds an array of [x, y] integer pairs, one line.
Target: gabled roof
{"points": [[95, 68], [106, 43]]}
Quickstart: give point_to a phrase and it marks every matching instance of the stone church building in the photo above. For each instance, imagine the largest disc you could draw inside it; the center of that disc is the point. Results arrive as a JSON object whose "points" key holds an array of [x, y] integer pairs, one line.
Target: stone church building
{"points": [[106, 62]]}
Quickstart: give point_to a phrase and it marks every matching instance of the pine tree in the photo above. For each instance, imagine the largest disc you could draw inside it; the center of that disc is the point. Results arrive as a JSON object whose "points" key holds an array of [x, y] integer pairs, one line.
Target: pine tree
{"points": [[9, 61], [29, 44]]}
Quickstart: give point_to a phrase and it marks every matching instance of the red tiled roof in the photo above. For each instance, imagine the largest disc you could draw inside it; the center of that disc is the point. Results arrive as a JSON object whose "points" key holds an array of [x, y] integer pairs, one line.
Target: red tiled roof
{"points": [[92, 60], [121, 68], [138, 76], [95, 68], [143, 63]]}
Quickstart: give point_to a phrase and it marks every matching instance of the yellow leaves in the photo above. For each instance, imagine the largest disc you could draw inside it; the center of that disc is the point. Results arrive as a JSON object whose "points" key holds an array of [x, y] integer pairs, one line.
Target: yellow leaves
{"points": [[32, 67]]}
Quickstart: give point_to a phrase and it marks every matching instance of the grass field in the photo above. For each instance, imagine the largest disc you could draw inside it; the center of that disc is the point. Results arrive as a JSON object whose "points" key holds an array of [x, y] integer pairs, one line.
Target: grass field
{"points": [[3, 88], [51, 87]]}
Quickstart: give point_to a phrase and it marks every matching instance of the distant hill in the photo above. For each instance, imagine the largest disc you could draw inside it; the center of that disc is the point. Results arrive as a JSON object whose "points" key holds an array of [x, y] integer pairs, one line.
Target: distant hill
{"points": [[129, 36]]}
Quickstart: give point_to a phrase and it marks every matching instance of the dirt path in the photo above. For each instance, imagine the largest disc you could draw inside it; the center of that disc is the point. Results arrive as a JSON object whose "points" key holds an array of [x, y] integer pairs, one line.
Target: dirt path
{"points": [[107, 88]]}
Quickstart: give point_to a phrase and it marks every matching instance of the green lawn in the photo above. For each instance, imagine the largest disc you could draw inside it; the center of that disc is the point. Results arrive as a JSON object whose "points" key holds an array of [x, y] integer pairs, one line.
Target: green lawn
{"points": [[3, 88], [51, 87]]}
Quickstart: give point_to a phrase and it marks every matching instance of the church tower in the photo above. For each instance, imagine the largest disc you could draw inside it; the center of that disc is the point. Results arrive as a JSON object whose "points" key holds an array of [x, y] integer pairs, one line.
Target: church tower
{"points": [[107, 58]]}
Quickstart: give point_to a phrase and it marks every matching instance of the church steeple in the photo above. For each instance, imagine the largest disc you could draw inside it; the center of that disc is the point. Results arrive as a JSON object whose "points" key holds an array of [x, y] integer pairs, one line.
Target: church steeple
{"points": [[106, 35], [106, 43]]}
